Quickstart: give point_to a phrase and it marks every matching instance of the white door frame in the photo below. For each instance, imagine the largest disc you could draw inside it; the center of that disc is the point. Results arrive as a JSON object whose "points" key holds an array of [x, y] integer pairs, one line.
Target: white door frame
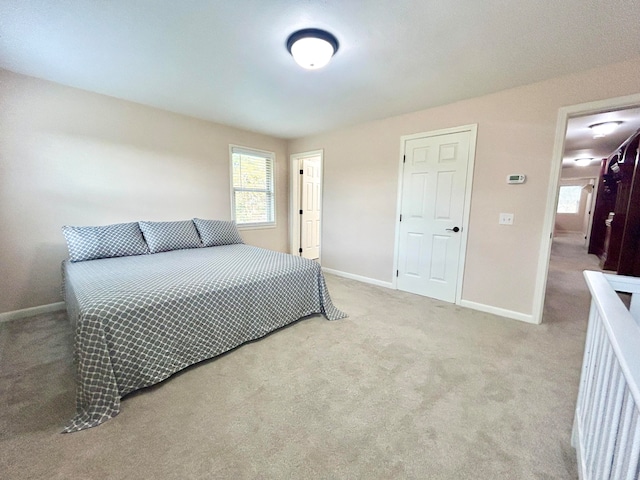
{"points": [[294, 198], [564, 114], [592, 208], [590, 202], [473, 130]]}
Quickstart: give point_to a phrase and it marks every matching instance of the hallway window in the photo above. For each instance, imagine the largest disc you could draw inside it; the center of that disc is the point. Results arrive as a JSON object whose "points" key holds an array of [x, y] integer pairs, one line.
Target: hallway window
{"points": [[569, 199], [252, 198]]}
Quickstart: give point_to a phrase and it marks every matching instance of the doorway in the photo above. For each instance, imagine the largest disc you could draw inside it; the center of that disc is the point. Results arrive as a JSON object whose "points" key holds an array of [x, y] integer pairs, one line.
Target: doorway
{"points": [[306, 204], [575, 207], [565, 114], [434, 196]]}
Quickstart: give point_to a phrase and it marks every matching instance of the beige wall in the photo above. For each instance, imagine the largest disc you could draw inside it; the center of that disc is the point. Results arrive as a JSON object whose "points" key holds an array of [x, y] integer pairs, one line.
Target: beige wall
{"points": [[590, 171], [577, 222], [516, 132], [574, 222], [73, 157], [69, 157]]}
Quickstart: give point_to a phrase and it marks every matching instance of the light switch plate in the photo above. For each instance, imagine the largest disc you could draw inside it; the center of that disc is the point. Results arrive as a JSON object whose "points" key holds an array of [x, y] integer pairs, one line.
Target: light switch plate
{"points": [[506, 219]]}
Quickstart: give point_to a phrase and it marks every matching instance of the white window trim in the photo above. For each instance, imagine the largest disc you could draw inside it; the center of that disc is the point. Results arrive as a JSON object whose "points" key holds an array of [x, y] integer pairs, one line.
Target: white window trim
{"points": [[252, 151]]}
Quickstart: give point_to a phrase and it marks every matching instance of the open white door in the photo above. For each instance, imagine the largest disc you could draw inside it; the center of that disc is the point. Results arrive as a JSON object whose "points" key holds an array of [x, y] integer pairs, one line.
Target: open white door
{"points": [[432, 219], [310, 208], [305, 219]]}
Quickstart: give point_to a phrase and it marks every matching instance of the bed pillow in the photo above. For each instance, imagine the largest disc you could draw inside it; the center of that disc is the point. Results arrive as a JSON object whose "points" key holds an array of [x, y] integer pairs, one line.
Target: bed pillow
{"points": [[118, 240], [165, 236], [217, 232]]}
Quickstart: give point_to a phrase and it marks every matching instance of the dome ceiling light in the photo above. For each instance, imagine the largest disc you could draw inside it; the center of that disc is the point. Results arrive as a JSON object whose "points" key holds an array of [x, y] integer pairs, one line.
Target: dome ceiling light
{"points": [[604, 128], [312, 48], [583, 162]]}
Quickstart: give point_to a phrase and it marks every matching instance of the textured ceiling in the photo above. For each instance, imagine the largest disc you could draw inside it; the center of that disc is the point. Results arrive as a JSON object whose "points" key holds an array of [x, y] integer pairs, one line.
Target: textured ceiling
{"points": [[226, 61], [579, 141]]}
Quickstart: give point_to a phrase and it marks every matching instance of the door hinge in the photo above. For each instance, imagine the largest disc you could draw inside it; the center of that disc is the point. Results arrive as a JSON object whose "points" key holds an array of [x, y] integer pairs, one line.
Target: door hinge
{"points": [[300, 250], [400, 217], [301, 172], [397, 272], [404, 159], [300, 212]]}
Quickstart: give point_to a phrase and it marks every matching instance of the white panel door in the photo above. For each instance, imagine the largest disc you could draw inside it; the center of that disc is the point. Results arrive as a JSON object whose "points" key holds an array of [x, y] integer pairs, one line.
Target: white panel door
{"points": [[310, 208], [434, 181]]}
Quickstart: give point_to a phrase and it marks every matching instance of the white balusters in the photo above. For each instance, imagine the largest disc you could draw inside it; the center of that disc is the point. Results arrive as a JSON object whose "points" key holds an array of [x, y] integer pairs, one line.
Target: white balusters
{"points": [[606, 429]]}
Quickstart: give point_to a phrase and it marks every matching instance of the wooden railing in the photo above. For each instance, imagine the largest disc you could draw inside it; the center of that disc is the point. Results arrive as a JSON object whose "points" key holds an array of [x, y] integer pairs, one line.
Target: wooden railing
{"points": [[606, 430]]}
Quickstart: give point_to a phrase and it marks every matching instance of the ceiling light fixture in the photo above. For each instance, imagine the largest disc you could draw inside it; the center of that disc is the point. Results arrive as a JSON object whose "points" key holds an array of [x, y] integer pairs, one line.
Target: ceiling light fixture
{"points": [[604, 128], [312, 48], [584, 161]]}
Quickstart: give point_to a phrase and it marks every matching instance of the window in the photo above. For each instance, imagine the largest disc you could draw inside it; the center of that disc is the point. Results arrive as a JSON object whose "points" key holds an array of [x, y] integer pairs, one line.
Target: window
{"points": [[569, 199], [252, 191]]}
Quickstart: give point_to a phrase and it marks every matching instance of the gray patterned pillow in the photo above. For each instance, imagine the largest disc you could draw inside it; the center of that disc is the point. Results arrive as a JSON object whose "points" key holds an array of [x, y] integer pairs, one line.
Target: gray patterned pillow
{"points": [[165, 236], [217, 232], [118, 240]]}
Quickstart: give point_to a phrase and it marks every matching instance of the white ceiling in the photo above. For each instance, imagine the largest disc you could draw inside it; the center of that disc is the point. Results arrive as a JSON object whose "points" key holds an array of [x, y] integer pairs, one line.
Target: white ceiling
{"points": [[579, 141], [226, 61]]}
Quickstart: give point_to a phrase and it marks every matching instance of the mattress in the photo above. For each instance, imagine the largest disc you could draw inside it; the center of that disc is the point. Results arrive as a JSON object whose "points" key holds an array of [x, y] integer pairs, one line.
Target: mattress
{"points": [[140, 319]]}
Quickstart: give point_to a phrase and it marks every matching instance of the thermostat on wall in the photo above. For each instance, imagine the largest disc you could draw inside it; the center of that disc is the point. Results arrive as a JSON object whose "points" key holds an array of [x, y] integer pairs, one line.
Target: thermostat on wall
{"points": [[516, 178]]}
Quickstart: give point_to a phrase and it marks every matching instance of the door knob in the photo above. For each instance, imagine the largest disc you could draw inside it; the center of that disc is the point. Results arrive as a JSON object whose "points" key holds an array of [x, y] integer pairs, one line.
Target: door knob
{"points": [[454, 229]]}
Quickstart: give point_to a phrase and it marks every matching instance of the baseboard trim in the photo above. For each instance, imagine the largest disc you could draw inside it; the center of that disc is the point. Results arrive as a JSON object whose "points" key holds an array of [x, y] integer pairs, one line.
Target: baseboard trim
{"points": [[30, 312], [359, 278], [502, 312]]}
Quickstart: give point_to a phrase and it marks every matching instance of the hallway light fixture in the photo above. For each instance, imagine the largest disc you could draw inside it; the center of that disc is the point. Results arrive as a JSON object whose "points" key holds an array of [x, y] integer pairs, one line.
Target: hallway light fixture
{"points": [[603, 129], [312, 48], [584, 161]]}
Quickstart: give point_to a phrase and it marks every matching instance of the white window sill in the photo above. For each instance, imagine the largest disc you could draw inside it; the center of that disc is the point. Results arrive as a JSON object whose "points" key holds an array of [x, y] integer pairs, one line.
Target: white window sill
{"points": [[256, 226]]}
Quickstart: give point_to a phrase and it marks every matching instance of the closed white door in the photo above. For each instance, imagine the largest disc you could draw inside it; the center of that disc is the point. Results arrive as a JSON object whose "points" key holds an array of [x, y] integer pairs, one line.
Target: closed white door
{"points": [[310, 208], [434, 182]]}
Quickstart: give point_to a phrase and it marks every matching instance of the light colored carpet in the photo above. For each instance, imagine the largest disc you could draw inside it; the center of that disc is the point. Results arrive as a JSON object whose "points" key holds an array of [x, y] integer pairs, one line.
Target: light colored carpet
{"points": [[406, 387]]}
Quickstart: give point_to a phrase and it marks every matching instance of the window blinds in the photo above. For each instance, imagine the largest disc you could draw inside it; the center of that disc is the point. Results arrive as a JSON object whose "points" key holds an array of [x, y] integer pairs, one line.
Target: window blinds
{"points": [[253, 192]]}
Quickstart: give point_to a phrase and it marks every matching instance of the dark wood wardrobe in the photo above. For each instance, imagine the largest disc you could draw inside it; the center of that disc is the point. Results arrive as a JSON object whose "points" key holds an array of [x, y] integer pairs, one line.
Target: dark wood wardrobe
{"points": [[615, 232]]}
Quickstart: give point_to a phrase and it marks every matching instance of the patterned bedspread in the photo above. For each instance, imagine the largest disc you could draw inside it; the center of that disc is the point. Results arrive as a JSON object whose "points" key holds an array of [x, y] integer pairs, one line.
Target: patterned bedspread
{"points": [[140, 319]]}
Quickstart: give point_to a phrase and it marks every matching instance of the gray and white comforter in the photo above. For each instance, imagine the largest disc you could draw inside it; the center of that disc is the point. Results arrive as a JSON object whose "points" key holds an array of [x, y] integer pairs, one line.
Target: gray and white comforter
{"points": [[140, 319]]}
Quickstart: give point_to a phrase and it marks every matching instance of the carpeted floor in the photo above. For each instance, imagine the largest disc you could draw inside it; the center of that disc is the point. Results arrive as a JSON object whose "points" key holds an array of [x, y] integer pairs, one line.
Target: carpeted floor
{"points": [[406, 387]]}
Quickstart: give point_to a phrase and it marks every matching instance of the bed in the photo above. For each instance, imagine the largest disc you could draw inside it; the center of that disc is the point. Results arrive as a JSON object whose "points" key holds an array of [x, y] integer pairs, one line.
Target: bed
{"points": [[139, 318]]}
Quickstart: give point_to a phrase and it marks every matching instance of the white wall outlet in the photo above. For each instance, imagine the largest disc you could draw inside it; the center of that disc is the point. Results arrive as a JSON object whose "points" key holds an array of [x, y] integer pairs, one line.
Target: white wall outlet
{"points": [[506, 219]]}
